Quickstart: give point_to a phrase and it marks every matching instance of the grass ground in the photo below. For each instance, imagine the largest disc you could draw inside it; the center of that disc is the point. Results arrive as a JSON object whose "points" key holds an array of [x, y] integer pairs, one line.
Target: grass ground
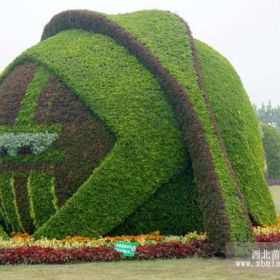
{"points": [[193, 268]]}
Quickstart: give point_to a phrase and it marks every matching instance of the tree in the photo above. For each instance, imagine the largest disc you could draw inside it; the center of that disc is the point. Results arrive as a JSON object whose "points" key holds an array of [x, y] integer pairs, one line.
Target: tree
{"points": [[271, 143], [269, 114]]}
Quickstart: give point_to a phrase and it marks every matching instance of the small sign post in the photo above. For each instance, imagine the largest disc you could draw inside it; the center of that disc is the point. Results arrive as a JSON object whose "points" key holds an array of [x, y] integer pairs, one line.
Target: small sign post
{"points": [[128, 249]]}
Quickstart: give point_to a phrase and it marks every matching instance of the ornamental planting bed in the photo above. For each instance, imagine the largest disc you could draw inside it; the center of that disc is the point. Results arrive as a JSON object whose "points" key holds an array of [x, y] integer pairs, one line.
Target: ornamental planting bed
{"points": [[23, 248]]}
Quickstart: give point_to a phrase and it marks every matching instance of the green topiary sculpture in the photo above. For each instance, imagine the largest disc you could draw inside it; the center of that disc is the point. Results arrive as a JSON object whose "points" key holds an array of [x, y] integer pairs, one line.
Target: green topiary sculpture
{"points": [[126, 124]]}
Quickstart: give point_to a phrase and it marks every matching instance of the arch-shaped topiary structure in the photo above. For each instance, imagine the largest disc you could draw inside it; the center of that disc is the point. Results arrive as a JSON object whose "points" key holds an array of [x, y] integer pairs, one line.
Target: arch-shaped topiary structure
{"points": [[125, 124]]}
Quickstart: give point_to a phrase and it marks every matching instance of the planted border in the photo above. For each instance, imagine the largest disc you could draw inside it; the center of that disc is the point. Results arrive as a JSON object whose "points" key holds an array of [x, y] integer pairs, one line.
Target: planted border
{"points": [[37, 255]]}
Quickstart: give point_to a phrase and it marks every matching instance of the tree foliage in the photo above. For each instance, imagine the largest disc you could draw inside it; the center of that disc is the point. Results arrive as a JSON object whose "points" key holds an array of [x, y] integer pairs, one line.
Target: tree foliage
{"points": [[271, 142], [269, 114]]}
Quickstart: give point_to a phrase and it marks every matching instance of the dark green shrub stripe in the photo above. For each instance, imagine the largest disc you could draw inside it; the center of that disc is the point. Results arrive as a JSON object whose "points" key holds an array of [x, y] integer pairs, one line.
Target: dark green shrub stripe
{"points": [[42, 198], [30, 100], [239, 129], [20, 187], [3, 215], [149, 146], [3, 233], [211, 176], [163, 44], [4, 227], [9, 202], [271, 143]]}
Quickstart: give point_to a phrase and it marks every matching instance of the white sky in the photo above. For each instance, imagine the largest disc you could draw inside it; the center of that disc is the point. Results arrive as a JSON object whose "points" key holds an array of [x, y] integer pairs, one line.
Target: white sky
{"points": [[247, 32]]}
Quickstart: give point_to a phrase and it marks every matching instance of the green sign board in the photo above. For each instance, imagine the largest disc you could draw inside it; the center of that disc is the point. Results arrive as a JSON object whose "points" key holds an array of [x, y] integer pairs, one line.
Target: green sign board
{"points": [[128, 249]]}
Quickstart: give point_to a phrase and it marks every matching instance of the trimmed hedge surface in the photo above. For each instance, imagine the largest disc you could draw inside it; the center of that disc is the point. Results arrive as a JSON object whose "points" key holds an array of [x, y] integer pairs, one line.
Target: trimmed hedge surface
{"points": [[3, 233], [171, 210], [144, 76], [240, 130]]}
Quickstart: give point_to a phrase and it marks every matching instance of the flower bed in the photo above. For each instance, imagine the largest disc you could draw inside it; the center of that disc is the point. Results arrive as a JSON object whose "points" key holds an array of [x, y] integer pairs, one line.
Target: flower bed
{"points": [[37, 255], [19, 240], [271, 237], [268, 233], [23, 248]]}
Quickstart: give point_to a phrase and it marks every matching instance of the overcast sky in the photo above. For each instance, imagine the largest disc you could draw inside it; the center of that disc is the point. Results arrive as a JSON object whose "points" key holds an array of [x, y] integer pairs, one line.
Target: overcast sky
{"points": [[247, 32]]}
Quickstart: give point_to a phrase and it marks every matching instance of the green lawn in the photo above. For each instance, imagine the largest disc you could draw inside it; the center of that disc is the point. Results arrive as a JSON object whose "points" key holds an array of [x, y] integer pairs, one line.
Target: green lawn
{"points": [[193, 268]]}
